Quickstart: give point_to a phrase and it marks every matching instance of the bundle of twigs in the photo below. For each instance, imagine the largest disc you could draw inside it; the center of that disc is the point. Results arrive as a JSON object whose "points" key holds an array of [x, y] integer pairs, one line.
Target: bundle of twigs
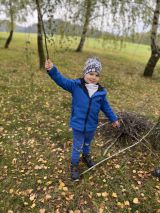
{"points": [[156, 172], [132, 127], [155, 137]]}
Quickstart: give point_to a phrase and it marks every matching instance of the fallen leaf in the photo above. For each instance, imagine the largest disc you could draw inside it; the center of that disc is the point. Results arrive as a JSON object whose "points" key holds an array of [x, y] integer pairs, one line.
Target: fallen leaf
{"points": [[65, 189], [42, 211], [99, 194], [11, 191], [117, 166], [135, 200], [29, 129], [32, 197], [48, 197], [114, 195], [126, 203], [100, 210], [33, 205], [61, 185], [14, 161], [104, 194]]}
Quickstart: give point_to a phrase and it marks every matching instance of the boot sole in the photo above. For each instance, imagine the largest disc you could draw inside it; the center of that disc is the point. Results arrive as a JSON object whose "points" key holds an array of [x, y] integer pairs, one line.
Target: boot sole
{"points": [[76, 180]]}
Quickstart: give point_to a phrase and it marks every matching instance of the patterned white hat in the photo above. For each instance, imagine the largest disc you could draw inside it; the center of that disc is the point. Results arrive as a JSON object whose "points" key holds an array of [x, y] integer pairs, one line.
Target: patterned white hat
{"points": [[92, 64]]}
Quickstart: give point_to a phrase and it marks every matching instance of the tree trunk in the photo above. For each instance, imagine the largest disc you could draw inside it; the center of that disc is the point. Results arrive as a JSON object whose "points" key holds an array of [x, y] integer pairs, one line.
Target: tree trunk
{"points": [[9, 39], [149, 69], [40, 44], [86, 24], [155, 48]]}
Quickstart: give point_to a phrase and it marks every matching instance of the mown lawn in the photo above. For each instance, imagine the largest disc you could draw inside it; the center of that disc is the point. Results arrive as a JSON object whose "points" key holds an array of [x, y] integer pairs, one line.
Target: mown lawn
{"points": [[35, 144]]}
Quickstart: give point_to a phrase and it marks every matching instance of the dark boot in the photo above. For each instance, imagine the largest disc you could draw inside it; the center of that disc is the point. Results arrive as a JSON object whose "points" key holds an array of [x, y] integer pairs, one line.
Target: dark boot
{"points": [[87, 160], [74, 172]]}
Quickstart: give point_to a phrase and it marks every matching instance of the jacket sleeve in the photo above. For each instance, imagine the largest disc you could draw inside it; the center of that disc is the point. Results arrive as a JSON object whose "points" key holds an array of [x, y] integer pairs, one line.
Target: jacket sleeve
{"points": [[107, 110], [65, 83]]}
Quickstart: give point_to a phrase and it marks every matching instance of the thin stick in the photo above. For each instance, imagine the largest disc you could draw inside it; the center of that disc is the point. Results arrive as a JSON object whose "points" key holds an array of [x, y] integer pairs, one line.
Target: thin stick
{"points": [[121, 151], [102, 125], [45, 36], [146, 146], [106, 150]]}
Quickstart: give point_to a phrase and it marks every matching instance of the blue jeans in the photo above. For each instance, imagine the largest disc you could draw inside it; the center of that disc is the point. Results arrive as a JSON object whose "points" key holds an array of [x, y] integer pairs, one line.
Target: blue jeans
{"points": [[81, 143]]}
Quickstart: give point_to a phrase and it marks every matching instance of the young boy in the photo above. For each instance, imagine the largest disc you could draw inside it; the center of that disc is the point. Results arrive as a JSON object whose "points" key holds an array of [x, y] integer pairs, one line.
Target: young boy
{"points": [[88, 98]]}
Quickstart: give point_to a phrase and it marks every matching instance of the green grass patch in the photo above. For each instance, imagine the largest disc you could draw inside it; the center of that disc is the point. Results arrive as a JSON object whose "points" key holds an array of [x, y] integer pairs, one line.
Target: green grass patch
{"points": [[35, 141]]}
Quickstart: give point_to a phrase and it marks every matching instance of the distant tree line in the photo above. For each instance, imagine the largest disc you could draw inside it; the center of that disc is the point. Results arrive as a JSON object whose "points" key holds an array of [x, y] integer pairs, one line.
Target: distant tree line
{"points": [[122, 16]]}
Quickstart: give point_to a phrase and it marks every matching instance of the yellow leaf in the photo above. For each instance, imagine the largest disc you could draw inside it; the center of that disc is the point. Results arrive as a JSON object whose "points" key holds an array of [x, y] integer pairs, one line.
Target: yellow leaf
{"points": [[33, 205], [29, 129], [37, 167], [117, 166], [47, 104], [104, 194], [126, 203], [42, 211], [48, 197], [58, 130], [65, 189], [71, 197], [100, 210], [25, 203], [49, 183], [135, 200], [61, 185], [119, 204], [99, 194], [114, 195], [32, 197], [11, 191], [14, 161], [63, 194], [29, 191]]}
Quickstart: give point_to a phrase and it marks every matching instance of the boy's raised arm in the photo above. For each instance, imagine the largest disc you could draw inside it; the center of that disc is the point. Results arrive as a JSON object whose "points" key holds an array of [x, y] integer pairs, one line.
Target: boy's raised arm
{"points": [[65, 83]]}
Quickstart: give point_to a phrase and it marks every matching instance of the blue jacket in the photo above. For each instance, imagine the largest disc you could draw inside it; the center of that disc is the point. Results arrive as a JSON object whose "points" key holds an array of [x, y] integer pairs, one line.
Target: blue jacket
{"points": [[85, 110]]}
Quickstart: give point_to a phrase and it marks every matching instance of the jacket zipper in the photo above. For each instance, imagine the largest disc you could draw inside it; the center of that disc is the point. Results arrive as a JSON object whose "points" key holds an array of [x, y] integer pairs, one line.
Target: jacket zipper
{"points": [[89, 106]]}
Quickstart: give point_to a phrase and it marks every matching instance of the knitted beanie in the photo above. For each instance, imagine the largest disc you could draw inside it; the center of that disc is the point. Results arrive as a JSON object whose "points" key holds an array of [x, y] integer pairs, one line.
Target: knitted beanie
{"points": [[92, 64]]}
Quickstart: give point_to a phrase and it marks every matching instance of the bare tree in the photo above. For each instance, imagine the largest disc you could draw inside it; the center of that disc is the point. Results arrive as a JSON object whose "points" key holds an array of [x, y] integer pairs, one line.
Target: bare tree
{"points": [[15, 10], [89, 8], [121, 16], [11, 13], [40, 36], [155, 48]]}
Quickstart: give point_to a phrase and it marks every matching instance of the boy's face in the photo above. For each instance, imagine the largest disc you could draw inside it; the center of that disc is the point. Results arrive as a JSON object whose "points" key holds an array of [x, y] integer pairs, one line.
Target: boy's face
{"points": [[91, 78]]}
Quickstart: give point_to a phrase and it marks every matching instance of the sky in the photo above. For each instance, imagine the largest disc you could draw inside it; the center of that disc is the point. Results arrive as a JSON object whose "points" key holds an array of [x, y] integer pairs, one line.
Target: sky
{"points": [[32, 19]]}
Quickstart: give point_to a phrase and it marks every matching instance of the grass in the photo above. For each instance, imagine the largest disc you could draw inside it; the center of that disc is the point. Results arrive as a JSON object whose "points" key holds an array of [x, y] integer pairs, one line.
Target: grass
{"points": [[36, 142]]}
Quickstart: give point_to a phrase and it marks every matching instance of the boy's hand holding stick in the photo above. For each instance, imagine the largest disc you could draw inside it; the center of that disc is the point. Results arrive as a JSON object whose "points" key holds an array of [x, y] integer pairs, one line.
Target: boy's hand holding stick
{"points": [[48, 64], [116, 124]]}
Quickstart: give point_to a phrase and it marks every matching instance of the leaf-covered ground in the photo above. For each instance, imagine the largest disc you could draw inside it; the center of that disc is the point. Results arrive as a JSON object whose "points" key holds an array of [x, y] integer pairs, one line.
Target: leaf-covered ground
{"points": [[35, 141]]}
